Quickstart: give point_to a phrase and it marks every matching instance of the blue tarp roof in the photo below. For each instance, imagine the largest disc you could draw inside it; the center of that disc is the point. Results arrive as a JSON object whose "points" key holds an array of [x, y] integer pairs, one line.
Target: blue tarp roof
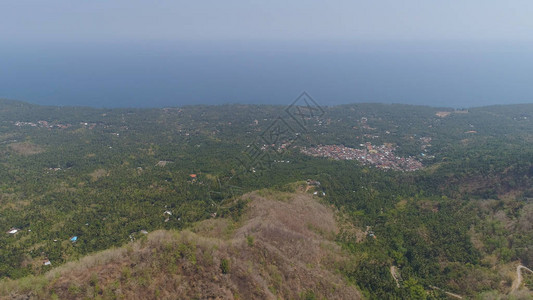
{"points": [[74, 238]]}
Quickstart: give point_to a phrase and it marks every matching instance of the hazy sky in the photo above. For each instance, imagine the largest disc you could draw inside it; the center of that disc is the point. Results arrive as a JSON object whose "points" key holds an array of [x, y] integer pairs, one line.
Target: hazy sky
{"points": [[67, 20]]}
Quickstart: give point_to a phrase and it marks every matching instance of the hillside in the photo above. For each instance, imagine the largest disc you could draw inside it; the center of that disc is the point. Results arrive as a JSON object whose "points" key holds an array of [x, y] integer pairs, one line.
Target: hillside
{"points": [[282, 248]]}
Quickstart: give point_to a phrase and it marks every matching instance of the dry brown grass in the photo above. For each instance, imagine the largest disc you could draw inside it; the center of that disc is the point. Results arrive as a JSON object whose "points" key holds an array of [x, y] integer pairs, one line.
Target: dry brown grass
{"points": [[11, 201], [279, 250], [98, 173], [26, 148]]}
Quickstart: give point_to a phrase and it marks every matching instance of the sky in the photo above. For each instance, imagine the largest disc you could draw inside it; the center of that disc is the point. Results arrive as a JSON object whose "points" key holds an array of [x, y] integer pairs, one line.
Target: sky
{"points": [[165, 53], [66, 20]]}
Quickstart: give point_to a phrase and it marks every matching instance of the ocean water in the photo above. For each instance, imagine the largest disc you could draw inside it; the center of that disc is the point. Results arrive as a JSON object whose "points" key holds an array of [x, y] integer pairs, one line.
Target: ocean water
{"points": [[160, 74]]}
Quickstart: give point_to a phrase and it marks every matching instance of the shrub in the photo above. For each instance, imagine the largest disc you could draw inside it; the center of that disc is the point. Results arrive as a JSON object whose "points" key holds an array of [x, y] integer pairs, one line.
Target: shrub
{"points": [[224, 266], [250, 240], [309, 295]]}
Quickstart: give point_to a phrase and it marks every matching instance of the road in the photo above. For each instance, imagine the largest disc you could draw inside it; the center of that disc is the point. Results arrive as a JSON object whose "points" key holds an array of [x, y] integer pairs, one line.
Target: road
{"points": [[518, 281], [447, 293], [394, 273]]}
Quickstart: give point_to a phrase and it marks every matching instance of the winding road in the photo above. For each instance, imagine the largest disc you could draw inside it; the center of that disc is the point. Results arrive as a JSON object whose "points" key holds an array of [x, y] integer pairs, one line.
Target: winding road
{"points": [[518, 281]]}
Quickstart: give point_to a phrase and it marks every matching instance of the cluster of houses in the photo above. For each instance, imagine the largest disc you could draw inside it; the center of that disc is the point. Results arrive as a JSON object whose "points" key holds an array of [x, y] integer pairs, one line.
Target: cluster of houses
{"points": [[46, 124], [382, 157], [46, 261], [42, 124]]}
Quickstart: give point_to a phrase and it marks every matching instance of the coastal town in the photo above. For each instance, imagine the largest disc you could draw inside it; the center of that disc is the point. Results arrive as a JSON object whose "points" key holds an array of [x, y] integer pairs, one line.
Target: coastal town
{"points": [[381, 157]]}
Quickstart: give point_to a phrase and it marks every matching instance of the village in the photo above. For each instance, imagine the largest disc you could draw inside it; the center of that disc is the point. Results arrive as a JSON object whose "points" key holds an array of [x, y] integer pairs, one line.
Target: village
{"points": [[42, 124], [56, 125], [381, 157]]}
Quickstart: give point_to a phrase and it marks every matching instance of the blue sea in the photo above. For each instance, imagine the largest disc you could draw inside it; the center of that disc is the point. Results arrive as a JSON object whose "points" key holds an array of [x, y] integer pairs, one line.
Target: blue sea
{"points": [[161, 74]]}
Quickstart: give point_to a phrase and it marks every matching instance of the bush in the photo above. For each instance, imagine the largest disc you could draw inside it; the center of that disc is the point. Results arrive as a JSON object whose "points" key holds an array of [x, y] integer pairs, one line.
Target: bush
{"points": [[224, 266], [309, 295], [250, 240]]}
